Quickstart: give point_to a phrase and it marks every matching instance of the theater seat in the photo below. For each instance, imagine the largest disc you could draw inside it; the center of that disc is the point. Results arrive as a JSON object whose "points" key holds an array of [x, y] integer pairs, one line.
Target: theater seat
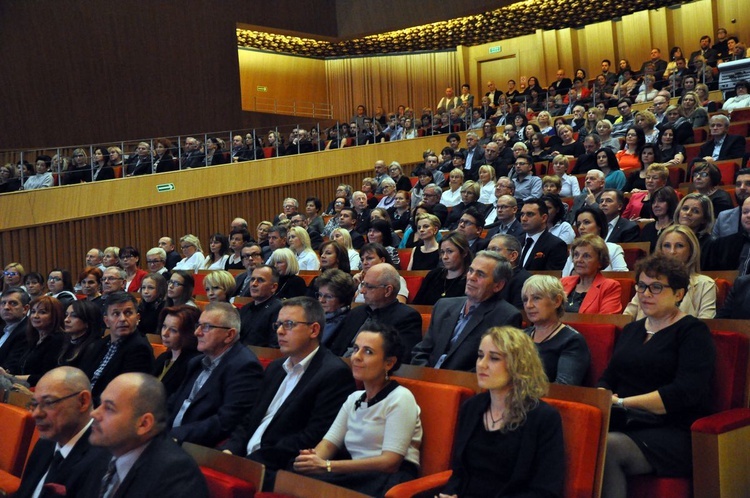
{"points": [[221, 485], [413, 283], [158, 349], [600, 338], [291, 485], [17, 428], [227, 476]]}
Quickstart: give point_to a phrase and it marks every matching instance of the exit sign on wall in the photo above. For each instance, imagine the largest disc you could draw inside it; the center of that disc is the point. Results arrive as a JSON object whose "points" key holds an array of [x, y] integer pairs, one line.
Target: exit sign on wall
{"points": [[262, 88], [496, 50]]}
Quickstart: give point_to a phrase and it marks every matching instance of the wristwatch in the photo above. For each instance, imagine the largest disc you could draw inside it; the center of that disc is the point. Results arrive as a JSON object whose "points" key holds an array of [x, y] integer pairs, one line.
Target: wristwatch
{"points": [[621, 402]]}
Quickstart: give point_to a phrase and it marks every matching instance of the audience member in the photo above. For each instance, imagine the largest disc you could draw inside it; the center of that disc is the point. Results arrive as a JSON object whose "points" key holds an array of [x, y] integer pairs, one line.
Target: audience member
{"points": [[541, 249], [258, 317], [176, 327], [721, 145], [193, 252], [508, 246], [591, 220], [728, 221], [153, 296], [619, 229]]}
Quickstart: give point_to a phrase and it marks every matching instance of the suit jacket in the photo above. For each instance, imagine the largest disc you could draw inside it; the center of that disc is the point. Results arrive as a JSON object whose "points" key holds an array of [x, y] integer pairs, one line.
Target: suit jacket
{"points": [[723, 254], [357, 239], [563, 86], [515, 230], [221, 403], [512, 290], [477, 160], [732, 148], [304, 417], [163, 470], [14, 347], [72, 472], [461, 355], [172, 259], [406, 319], [727, 223], [603, 297], [549, 253], [737, 304], [579, 201], [177, 372], [441, 212], [625, 230], [194, 159], [240, 281], [133, 355]]}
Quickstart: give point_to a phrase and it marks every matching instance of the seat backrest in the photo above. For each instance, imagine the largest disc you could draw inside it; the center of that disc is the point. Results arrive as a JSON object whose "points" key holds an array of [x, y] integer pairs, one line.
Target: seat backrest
{"points": [[582, 433], [439, 404], [228, 476], [158, 349], [600, 338], [17, 427], [404, 256], [730, 375], [722, 289], [413, 283], [198, 286], [627, 290], [221, 485]]}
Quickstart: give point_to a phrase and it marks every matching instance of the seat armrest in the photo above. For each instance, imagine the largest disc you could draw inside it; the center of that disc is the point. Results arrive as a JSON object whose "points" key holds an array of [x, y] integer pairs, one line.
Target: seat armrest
{"points": [[722, 422], [721, 452], [429, 484]]}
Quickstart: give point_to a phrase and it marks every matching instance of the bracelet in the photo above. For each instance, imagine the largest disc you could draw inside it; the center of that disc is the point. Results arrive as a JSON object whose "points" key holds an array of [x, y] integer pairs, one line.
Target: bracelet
{"points": [[621, 402], [328, 466]]}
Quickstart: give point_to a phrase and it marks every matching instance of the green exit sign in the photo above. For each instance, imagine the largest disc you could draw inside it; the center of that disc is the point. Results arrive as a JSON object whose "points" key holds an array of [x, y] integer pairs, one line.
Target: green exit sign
{"points": [[262, 88], [496, 50], [165, 187]]}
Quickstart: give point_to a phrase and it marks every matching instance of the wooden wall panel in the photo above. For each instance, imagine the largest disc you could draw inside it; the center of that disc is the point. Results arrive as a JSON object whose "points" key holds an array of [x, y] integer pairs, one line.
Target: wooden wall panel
{"points": [[734, 15], [600, 44]]}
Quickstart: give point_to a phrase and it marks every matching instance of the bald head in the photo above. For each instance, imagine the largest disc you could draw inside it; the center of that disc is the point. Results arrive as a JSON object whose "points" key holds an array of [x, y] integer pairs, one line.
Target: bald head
{"points": [[61, 404]]}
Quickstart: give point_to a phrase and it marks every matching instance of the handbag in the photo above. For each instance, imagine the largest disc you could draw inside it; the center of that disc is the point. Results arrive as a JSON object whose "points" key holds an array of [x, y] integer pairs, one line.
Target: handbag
{"points": [[624, 419]]}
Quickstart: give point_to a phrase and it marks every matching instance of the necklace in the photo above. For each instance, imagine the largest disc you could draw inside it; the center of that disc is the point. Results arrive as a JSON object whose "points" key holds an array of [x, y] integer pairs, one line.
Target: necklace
{"points": [[557, 329], [489, 420], [447, 287]]}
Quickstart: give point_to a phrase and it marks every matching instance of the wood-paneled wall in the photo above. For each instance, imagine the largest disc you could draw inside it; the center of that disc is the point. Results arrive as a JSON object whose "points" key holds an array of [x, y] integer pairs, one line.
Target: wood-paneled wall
{"points": [[57, 226]]}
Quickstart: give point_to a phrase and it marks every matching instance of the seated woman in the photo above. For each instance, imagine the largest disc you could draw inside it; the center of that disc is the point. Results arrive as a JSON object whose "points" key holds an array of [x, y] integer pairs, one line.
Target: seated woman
{"points": [[486, 185], [452, 195], [672, 153], [290, 284], [508, 441], [646, 121], [218, 246], [699, 300], [111, 257], [13, 275], [396, 173], [130, 259], [102, 167], [604, 130], [410, 237], [380, 233], [663, 205], [400, 212], [649, 92], [82, 327], [388, 187], [60, 285], [425, 255], [639, 205], [661, 373], [449, 280], [587, 289], [564, 352], [556, 224], [333, 223], [648, 155], [163, 159], [373, 254], [628, 156], [34, 283], [214, 152], [696, 115], [153, 300], [704, 98], [8, 180], [45, 338], [538, 148], [219, 286], [193, 252], [333, 256], [343, 237], [469, 197], [299, 243], [570, 146], [43, 178], [379, 427], [545, 123], [706, 179], [696, 211], [335, 292], [569, 186], [613, 175], [683, 130], [90, 281], [180, 289], [262, 232], [591, 220], [177, 326]]}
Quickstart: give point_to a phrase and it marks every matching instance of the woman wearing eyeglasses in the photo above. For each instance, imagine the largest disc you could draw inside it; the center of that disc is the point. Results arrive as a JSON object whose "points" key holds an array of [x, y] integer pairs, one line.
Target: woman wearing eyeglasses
{"points": [[706, 179], [13, 275], [130, 258], [193, 252], [660, 376], [335, 292], [60, 285], [180, 289]]}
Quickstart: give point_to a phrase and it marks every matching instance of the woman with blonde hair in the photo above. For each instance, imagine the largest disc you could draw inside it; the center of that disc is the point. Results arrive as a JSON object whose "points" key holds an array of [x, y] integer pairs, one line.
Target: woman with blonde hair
{"points": [[519, 435], [646, 121], [569, 183], [111, 257], [13, 275], [452, 195], [426, 256], [290, 284], [696, 211], [219, 286], [486, 184], [299, 243], [342, 236], [193, 252], [545, 123]]}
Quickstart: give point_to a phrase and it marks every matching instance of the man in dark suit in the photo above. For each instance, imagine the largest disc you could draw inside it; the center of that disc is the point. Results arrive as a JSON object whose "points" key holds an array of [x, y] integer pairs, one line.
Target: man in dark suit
{"points": [[61, 407], [474, 157], [252, 256], [508, 246], [659, 64], [506, 222], [619, 229], [14, 304], [562, 85], [380, 288], [258, 317], [493, 93], [276, 240], [348, 221], [541, 250], [721, 145], [220, 386], [471, 225], [193, 157], [173, 258], [301, 393], [732, 252], [123, 350], [500, 157], [130, 424], [431, 199], [458, 323], [589, 196], [706, 51]]}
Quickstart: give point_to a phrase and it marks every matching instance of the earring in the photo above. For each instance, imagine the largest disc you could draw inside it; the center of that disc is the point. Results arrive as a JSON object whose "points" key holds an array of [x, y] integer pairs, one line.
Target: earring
{"points": [[387, 377]]}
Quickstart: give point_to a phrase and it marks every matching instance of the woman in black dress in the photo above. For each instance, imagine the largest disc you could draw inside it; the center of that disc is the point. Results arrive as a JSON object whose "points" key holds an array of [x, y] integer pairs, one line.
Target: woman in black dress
{"points": [[177, 327], [448, 280], [660, 375], [83, 326], [426, 254]]}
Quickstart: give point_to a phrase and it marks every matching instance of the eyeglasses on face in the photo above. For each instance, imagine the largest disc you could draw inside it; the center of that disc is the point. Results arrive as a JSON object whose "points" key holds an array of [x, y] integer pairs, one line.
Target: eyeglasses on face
{"points": [[46, 404], [206, 327], [654, 287], [174, 283], [289, 324]]}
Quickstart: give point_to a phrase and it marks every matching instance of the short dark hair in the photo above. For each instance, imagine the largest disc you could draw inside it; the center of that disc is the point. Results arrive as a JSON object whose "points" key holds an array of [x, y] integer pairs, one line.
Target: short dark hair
{"points": [[280, 229], [316, 201], [741, 171], [618, 195], [119, 297], [660, 264], [474, 213], [129, 250], [241, 231], [275, 275], [537, 201], [67, 278], [599, 217], [312, 309], [451, 136], [392, 346], [340, 282], [25, 298]]}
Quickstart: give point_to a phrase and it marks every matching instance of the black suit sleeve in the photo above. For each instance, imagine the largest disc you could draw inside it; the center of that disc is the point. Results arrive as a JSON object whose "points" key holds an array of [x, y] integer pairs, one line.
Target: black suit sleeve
{"points": [[630, 234]]}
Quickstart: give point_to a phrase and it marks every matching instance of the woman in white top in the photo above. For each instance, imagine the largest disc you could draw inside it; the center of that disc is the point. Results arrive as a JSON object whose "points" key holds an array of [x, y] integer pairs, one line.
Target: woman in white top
{"points": [[679, 241], [43, 177], [343, 237], [299, 243], [193, 252], [569, 183], [219, 247], [592, 220], [409, 130], [742, 99], [452, 195], [388, 187], [556, 224], [649, 92], [379, 426], [486, 184]]}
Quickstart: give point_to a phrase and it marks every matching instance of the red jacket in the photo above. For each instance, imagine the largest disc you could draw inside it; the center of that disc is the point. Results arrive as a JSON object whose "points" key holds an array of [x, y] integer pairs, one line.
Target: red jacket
{"points": [[603, 297]]}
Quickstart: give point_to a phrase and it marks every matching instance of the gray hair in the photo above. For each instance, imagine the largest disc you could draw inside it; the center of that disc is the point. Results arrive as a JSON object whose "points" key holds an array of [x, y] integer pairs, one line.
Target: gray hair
{"points": [[435, 187], [503, 271], [230, 316]]}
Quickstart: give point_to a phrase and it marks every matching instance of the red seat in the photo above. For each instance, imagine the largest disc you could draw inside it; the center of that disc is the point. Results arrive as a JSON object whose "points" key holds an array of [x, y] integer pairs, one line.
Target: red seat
{"points": [[600, 338], [413, 283], [738, 128], [699, 135], [404, 256], [221, 485], [742, 114], [728, 169], [269, 152], [17, 428], [691, 152]]}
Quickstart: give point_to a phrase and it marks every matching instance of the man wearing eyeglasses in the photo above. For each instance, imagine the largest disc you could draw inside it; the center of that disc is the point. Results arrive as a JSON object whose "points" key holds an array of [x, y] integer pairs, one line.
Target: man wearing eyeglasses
{"points": [[721, 145], [113, 280], [626, 119], [728, 222], [156, 260], [61, 407], [258, 316], [220, 386], [527, 185], [300, 396], [380, 287], [471, 225], [251, 256], [506, 222]]}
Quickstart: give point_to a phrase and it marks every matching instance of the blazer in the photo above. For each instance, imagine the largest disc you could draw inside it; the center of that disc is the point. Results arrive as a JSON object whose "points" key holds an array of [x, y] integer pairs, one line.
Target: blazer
{"points": [[477, 160], [737, 304], [72, 472], [461, 355], [515, 230], [304, 417], [550, 253], [194, 159], [15, 346], [163, 470], [134, 355], [406, 319], [733, 147], [220, 404], [603, 297], [177, 372], [625, 230], [727, 223], [512, 290], [724, 253], [539, 467]]}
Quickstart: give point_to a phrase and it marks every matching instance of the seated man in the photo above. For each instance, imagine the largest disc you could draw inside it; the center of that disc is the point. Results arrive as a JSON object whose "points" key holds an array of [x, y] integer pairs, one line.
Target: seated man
{"points": [[123, 350], [14, 306], [193, 157], [380, 288], [220, 386], [528, 185], [113, 280], [620, 229], [589, 196], [458, 323], [290, 206], [61, 406], [626, 119], [506, 222], [94, 258], [173, 258], [541, 249], [508, 246], [300, 396], [258, 317], [130, 424], [251, 257], [728, 222], [348, 221], [732, 252], [721, 145], [471, 225], [276, 240]]}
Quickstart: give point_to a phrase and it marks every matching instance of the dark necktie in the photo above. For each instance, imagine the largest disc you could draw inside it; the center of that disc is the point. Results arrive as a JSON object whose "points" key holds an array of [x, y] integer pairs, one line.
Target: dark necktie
{"points": [[526, 247], [56, 461], [109, 479]]}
